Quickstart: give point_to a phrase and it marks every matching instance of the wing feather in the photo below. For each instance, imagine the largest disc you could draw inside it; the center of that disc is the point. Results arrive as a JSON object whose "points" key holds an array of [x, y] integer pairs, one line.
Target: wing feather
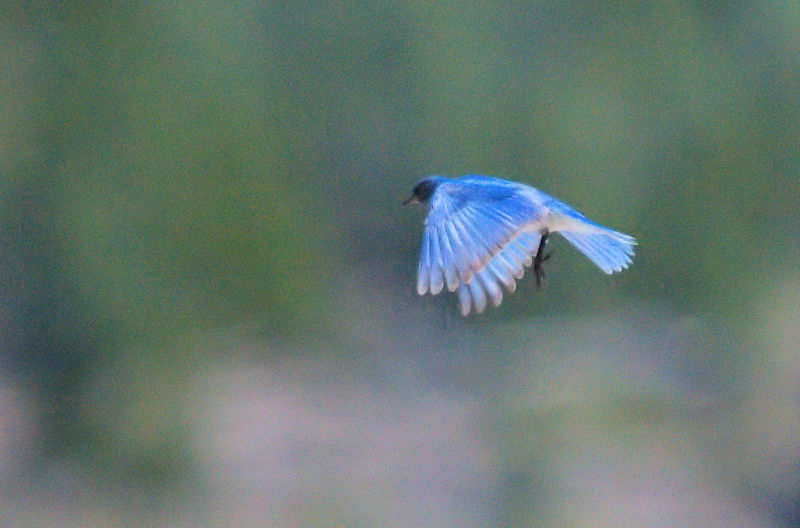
{"points": [[529, 241], [519, 252], [490, 285], [472, 246], [437, 276], [485, 246], [424, 269], [511, 262], [503, 274], [478, 295], [464, 299], [448, 260], [461, 247]]}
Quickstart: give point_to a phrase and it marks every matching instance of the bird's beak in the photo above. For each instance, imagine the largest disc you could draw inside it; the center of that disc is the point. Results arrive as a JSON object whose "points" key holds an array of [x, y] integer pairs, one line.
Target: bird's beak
{"points": [[411, 199]]}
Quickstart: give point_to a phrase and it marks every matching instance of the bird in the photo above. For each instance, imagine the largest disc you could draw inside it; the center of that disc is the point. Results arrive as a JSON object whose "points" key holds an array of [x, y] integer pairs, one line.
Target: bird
{"points": [[481, 232]]}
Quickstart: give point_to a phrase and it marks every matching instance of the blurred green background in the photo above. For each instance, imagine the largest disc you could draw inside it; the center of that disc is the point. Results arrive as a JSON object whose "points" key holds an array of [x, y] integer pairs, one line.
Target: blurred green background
{"points": [[207, 307]]}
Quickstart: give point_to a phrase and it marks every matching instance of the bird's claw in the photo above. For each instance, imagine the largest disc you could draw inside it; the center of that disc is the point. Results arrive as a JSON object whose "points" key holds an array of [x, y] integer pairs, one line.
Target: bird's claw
{"points": [[538, 270]]}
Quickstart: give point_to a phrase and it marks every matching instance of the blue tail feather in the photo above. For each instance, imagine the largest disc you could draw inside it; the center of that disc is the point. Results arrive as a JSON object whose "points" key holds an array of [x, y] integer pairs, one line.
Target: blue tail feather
{"points": [[610, 250]]}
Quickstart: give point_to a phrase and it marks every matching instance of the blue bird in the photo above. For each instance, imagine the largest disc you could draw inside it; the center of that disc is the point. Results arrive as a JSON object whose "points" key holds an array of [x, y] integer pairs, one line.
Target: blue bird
{"points": [[482, 232]]}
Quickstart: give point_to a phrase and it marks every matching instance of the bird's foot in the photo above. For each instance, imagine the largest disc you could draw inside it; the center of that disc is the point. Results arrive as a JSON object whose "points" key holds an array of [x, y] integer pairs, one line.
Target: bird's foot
{"points": [[538, 270]]}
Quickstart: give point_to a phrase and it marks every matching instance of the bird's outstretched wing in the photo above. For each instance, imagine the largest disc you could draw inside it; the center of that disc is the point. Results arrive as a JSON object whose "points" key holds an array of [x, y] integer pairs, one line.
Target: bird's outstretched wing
{"points": [[475, 240], [504, 269]]}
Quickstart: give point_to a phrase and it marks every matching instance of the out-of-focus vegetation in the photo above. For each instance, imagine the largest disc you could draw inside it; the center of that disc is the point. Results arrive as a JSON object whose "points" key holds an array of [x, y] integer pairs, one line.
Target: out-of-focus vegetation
{"points": [[207, 313]]}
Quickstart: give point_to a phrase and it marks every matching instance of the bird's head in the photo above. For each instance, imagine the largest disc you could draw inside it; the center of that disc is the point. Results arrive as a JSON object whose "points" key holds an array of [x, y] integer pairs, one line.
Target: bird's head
{"points": [[423, 190]]}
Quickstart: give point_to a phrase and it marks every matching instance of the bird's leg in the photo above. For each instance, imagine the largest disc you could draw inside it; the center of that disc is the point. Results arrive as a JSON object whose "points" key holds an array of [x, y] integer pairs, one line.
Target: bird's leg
{"points": [[538, 271]]}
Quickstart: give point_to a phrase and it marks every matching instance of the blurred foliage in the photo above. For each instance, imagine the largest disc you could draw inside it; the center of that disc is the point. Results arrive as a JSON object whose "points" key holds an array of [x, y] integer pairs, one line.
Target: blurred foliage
{"points": [[204, 163], [168, 171]]}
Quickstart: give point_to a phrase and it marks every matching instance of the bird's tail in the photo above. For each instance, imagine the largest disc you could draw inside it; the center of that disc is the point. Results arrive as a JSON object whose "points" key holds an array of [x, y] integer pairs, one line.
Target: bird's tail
{"points": [[610, 250]]}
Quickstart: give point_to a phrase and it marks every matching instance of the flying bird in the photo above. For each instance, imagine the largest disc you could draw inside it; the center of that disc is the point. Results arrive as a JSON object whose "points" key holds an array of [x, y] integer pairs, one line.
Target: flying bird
{"points": [[482, 232]]}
